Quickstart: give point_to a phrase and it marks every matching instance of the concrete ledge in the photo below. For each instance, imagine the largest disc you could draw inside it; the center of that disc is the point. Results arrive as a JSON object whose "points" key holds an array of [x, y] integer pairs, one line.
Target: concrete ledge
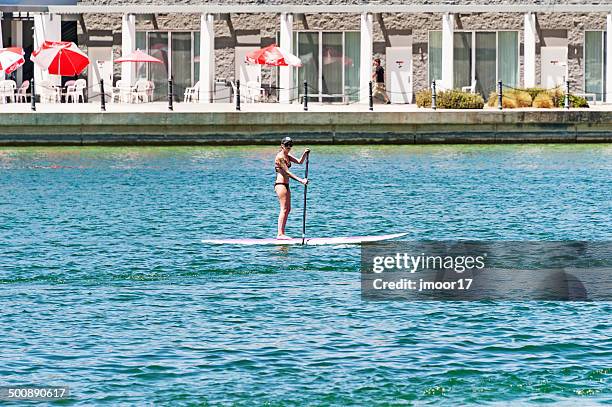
{"points": [[334, 127]]}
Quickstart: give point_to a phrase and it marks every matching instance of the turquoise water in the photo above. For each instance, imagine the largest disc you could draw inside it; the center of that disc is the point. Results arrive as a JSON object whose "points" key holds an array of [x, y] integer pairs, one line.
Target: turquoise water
{"points": [[106, 288]]}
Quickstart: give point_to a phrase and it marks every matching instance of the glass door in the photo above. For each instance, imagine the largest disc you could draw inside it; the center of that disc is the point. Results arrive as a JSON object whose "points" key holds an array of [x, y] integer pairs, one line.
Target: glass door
{"points": [[462, 64], [594, 63], [308, 52], [158, 73], [333, 64], [181, 63], [486, 60]]}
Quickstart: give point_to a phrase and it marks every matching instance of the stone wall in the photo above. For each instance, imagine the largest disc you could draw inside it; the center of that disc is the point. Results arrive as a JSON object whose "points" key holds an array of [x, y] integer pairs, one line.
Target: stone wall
{"points": [[418, 24]]}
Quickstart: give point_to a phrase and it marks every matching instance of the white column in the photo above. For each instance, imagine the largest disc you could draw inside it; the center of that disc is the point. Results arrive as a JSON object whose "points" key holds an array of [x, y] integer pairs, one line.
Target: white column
{"points": [[128, 45], [286, 72], [529, 45], [365, 56], [448, 55], [1, 43], [46, 27], [207, 58], [609, 59]]}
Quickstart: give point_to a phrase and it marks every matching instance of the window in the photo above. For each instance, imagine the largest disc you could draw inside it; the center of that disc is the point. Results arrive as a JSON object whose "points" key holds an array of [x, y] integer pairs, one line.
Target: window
{"points": [[594, 60], [435, 56], [330, 63], [179, 51], [481, 56]]}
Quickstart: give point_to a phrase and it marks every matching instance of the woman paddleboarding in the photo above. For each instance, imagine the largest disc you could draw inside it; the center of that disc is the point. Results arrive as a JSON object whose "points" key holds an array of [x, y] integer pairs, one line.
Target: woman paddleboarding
{"points": [[282, 163]]}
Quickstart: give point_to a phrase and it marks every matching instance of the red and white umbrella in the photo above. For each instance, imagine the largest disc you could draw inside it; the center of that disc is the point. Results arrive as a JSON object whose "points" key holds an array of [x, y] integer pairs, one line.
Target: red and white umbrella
{"points": [[60, 58], [138, 56], [11, 59], [273, 55]]}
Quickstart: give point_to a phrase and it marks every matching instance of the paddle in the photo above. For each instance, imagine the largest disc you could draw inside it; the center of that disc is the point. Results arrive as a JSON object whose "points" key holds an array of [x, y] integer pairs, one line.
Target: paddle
{"points": [[305, 192]]}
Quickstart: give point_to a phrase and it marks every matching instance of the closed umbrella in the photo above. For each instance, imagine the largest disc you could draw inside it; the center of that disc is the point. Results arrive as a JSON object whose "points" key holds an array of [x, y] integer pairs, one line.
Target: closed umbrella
{"points": [[11, 59], [60, 58]]}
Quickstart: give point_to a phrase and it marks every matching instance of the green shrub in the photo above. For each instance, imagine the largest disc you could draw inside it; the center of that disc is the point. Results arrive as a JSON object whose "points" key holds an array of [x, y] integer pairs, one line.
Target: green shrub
{"points": [[450, 99], [455, 99], [575, 101], [543, 100], [423, 98]]}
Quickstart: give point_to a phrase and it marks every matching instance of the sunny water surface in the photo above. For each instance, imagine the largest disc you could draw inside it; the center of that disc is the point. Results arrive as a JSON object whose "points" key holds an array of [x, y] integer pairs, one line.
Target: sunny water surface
{"points": [[105, 285]]}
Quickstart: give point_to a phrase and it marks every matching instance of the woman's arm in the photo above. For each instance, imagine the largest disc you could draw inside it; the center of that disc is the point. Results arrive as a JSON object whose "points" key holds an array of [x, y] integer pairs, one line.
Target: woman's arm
{"points": [[282, 168], [302, 158]]}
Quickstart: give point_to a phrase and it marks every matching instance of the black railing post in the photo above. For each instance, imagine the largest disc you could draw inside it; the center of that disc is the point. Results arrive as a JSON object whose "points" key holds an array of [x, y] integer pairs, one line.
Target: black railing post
{"points": [[33, 98], [170, 95], [371, 98], [434, 102], [305, 96], [237, 95], [500, 96], [102, 96], [566, 102]]}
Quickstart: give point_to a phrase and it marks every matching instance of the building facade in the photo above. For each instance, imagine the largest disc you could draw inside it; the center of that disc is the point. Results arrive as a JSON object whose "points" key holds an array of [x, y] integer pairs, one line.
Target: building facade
{"points": [[457, 44]]}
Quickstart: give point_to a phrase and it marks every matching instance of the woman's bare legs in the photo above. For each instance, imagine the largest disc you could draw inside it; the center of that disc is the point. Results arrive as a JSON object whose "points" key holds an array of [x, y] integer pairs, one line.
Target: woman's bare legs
{"points": [[284, 199]]}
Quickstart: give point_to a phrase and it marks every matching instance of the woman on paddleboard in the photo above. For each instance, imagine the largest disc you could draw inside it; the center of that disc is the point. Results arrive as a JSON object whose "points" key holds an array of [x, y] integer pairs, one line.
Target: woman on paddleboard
{"points": [[282, 163]]}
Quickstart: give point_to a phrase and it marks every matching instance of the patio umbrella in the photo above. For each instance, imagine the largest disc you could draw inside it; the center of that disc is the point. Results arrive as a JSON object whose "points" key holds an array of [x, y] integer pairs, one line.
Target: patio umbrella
{"points": [[274, 56], [11, 59], [138, 56], [60, 58]]}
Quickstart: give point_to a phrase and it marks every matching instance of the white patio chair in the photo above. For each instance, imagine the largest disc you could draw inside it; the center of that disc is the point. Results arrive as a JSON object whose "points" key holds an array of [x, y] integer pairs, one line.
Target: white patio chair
{"points": [[76, 91], [254, 92], [192, 94], [49, 93], [122, 92], [141, 91], [7, 91], [22, 92], [471, 88]]}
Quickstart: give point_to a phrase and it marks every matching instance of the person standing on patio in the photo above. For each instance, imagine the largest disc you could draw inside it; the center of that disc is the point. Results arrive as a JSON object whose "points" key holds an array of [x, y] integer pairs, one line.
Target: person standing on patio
{"points": [[378, 77]]}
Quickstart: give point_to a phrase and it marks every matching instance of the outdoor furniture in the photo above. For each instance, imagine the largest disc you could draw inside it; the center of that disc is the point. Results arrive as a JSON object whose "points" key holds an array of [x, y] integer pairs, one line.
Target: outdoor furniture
{"points": [[192, 94], [253, 92], [123, 92], [141, 89], [22, 92], [76, 91], [7, 91], [49, 93], [470, 89]]}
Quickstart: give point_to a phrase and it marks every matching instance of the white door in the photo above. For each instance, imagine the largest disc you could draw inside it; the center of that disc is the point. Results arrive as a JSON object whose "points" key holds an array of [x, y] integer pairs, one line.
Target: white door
{"points": [[399, 74], [554, 66]]}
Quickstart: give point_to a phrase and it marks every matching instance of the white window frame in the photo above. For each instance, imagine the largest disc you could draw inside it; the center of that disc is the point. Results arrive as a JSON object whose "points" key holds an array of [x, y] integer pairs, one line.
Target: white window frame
{"points": [[169, 32], [603, 63], [473, 49], [320, 35]]}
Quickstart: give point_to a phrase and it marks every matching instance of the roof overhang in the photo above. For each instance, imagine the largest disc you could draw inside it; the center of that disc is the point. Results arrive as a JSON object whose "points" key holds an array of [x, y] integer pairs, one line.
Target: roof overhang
{"points": [[314, 9]]}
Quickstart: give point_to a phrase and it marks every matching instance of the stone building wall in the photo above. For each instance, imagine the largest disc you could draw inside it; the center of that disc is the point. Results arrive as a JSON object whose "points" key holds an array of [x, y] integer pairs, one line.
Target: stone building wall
{"points": [[419, 25]]}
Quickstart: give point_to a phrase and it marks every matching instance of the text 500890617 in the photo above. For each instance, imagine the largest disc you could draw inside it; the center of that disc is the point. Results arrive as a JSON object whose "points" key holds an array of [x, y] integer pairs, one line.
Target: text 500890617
{"points": [[34, 393]]}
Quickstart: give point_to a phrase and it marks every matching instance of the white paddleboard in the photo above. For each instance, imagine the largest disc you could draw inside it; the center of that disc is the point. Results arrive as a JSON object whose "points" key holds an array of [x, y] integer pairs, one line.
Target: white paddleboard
{"points": [[312, 241]]}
